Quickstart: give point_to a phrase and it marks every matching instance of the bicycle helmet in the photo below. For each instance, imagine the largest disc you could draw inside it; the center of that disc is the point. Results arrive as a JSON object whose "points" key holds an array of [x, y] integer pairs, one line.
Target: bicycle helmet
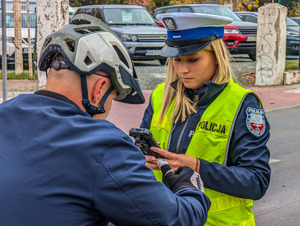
{"points": [[88, 45]]}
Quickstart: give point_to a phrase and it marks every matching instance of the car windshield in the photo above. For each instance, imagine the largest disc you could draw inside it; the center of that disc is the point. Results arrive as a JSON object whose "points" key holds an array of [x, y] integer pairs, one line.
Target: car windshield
{"points": [[290, 22], [217, 10], [128, 16]]}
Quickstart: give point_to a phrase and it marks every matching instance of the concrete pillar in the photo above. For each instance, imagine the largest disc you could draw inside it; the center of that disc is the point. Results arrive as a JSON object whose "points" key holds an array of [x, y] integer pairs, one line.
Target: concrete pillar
{"points": [[51, 16], [271, 45]]}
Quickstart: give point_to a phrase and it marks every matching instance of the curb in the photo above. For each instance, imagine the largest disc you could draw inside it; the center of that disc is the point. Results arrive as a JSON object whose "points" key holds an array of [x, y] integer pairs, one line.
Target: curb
{"points": [[20, 85]]}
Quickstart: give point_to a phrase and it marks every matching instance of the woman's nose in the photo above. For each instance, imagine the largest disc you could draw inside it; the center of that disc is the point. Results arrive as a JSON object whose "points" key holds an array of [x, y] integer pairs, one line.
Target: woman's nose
{"points": [[183, 68]]}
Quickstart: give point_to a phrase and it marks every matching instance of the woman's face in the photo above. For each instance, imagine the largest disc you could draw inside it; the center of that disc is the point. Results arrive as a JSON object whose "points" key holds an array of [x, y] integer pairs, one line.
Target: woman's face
{"points": [[195, 69]]}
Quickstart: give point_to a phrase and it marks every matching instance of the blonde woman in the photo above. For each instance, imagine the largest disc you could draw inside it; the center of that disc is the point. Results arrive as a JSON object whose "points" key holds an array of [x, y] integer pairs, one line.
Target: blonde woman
{"points": [[204, 120]]}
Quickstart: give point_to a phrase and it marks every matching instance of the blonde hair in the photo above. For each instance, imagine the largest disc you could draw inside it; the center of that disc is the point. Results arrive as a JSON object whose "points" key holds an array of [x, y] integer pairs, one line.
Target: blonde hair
{"points": [[184, 106]]}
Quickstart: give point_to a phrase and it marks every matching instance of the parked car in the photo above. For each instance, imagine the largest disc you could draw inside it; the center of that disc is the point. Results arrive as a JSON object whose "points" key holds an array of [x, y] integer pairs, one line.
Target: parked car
{"points": [[239, 36], [136, 27], [71, 12], [292, 31], [296, 19]]}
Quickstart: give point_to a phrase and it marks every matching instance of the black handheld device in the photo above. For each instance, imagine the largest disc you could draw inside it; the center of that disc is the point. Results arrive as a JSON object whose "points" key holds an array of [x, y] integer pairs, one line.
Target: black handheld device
{"points": [[144, 140]]}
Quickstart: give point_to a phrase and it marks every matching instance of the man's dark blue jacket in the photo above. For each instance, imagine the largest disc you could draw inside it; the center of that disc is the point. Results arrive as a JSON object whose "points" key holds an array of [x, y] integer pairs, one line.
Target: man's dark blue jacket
{"points": [[58, 166]]}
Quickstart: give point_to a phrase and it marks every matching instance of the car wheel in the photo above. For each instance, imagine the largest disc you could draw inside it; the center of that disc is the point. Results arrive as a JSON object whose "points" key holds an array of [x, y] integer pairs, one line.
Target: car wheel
{"points": [[163, 61], [252, 57]]}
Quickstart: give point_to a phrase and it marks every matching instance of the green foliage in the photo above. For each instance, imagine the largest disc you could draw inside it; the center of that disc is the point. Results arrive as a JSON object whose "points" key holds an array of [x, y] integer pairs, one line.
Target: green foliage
{"points": [[160, 3], [12, 76], [256, 4], [291, 65], [292, 6]]}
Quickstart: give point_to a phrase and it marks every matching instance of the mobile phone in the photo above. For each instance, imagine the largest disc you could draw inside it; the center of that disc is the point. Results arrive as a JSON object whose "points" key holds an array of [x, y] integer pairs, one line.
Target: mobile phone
{"points": [[144, 140]]}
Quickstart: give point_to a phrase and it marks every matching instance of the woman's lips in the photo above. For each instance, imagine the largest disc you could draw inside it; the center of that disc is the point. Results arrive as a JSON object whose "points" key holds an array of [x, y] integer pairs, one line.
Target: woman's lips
{"points": [[186, 79]]}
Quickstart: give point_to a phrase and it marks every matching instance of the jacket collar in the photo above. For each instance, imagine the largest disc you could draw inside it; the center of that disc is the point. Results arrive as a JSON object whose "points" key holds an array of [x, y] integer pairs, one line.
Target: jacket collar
{"points": [[209, 91]]}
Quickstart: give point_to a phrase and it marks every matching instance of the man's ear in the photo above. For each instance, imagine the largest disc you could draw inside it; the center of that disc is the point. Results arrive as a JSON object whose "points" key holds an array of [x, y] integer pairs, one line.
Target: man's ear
{"points": [[99, 90]]}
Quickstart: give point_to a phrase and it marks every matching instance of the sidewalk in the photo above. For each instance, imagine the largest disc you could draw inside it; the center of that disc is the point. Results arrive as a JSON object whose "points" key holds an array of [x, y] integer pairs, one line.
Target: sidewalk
{"points": [[126, 116]]}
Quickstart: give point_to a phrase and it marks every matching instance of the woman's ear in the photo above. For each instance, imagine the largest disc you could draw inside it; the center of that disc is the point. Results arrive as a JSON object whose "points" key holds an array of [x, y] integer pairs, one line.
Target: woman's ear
{"points": [[99, 90]]}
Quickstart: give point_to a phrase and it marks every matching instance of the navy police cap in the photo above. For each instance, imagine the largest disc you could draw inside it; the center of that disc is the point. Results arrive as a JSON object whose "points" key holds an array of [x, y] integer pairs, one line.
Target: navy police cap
{"points": [[188, 33]]}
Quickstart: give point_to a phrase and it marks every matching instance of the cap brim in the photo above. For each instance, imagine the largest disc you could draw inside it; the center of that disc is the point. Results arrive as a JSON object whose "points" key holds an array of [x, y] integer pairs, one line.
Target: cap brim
{"points": [[171, 51]]}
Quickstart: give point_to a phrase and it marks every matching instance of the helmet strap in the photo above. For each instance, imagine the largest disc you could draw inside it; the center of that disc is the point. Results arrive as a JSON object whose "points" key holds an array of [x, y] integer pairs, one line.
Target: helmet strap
{"points": [[91, 109]]}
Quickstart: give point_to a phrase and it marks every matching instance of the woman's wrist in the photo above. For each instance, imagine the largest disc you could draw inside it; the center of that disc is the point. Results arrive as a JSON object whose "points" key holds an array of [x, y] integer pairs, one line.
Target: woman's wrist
{"points": [[197, 168]]}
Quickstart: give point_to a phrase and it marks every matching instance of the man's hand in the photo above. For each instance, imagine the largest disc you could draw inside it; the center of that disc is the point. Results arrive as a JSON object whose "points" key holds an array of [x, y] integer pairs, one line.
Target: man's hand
{"points": [[184, 177]]}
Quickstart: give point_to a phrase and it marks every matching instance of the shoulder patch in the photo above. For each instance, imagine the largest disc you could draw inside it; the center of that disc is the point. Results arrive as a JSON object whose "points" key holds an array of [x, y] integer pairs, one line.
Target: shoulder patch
{"points": [[255, 121]]}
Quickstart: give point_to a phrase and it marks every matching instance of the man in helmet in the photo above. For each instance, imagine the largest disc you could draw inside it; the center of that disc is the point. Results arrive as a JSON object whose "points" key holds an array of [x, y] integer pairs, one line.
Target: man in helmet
{"points": [[62, 164]]}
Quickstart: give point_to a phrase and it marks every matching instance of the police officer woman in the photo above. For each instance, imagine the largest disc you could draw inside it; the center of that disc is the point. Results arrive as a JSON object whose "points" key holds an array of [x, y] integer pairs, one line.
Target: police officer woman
{"points": [[206, 121]]}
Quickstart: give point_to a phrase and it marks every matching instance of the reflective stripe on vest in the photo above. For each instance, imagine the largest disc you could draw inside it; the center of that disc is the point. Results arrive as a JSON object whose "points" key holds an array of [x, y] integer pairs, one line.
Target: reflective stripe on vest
{"points": [[211, 143]]}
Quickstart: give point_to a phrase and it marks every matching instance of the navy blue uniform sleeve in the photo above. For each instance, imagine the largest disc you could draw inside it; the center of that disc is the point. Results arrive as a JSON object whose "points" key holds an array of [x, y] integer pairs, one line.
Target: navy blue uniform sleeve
{"points": [[127, 193], [247, 173], [147, 115]]}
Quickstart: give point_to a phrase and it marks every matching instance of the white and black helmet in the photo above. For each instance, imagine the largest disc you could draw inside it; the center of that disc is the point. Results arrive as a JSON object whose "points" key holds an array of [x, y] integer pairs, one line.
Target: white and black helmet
{"points": [[88, 45]]}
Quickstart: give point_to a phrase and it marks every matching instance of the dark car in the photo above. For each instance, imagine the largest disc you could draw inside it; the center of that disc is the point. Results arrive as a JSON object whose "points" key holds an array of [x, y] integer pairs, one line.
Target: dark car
{"points": [[296, 19], [135, 26], [239, 36], [292, 31]]}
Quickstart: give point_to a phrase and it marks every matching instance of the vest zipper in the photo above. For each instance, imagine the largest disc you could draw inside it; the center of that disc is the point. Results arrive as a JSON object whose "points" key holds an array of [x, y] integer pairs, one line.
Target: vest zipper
{"points": [[170, 135], [185, 125], [181, 135]]}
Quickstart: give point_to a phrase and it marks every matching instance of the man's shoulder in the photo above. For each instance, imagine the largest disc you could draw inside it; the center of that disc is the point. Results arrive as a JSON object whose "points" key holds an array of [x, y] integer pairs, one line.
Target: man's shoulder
{"points": [[106, 129]]}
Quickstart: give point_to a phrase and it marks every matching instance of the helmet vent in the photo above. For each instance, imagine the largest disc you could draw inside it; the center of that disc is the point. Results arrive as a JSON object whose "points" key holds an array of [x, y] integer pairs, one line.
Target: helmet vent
{"points": [[80, 21], [47, 41], [82, 31], [87, 61], [70, 44], [95, 29], [121, 56]]}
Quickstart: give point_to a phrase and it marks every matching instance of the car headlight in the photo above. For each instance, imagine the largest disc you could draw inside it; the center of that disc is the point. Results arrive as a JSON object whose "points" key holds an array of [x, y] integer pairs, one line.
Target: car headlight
{"points": [[293, 34], [128, 38], [231, 31]]}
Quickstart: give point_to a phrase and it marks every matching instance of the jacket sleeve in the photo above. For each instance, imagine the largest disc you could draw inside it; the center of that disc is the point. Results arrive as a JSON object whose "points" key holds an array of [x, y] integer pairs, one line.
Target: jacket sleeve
{"points": [[147, 115], [247, 173], [127, 193]]}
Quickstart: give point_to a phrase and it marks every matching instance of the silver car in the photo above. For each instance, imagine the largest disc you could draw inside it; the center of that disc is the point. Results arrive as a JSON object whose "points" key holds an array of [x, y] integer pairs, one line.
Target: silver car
{"points": [[135, 26]]}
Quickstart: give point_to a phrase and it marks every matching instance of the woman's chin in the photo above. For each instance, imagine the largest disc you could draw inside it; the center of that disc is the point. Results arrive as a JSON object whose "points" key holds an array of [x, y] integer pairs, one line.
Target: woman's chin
{"points": [[189, 86]]}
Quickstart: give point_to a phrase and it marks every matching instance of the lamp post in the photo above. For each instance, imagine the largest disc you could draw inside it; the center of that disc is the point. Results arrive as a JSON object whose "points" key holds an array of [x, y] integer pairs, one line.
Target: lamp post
{"points": [[4, 59]]}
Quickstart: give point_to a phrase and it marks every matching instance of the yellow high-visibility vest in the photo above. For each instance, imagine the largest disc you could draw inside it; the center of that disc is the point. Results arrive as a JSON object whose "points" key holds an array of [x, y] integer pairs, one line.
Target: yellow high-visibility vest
{"points": [[210, 142]]}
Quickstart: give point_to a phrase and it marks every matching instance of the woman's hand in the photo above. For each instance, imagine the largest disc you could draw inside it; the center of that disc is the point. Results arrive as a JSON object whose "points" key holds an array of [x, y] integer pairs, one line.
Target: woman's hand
{"points": [[174, 160]]}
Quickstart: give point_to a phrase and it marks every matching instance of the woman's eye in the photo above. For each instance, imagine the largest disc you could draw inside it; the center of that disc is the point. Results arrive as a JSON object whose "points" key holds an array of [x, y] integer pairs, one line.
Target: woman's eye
{"points": [[193, 60], [177, 59]]}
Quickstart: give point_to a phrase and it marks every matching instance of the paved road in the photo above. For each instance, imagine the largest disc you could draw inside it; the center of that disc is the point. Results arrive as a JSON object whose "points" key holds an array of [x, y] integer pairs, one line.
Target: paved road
{"points": [[281, 204], [152, 73]]}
